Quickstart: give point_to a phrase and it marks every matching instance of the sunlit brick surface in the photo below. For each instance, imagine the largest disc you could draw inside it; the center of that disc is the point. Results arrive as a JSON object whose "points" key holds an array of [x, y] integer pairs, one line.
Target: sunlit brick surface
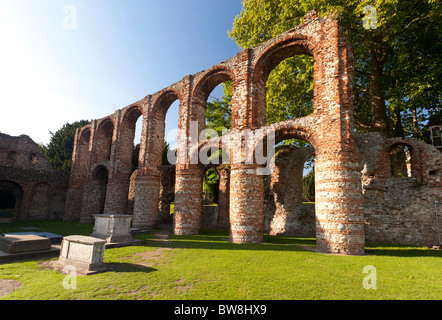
{"points": [[339, 208]]}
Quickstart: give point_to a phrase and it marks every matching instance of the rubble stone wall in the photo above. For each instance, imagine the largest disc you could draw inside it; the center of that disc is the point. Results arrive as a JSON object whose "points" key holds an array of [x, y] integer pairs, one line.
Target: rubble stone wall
{"points": [[27, 175]]}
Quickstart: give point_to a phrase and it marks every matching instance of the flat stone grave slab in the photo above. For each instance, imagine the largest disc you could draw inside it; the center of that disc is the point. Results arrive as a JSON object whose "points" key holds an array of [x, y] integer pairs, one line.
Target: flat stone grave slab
{"points": [[53, 238], [11, 243]]}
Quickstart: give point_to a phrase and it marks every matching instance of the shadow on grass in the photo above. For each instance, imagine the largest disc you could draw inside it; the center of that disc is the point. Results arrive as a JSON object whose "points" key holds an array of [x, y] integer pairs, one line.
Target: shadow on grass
{"points": [[398, 250], [219, 240], [127, 267], [57, 227]]}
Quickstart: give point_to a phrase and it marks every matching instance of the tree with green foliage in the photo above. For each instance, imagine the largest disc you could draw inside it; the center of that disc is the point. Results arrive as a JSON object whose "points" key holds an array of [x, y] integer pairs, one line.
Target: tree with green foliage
{"points": [[397, 85], [211, 185], [61, 145], [135, 156], [308, 186], [219, 110], [166, 148]]}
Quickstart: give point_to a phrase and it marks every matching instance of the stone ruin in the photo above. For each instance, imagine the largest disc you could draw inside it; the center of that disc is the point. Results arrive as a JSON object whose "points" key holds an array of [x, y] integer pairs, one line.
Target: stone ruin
{"points": [[359, 196], [33, 188]]}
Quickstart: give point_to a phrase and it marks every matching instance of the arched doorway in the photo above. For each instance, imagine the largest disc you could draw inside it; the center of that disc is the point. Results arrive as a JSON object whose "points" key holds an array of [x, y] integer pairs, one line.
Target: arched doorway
{"points": [[11, 196]]}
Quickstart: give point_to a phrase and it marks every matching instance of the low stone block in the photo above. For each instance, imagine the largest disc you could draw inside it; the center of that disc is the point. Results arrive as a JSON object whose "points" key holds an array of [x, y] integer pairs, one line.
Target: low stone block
{"points": [[23, 243], [82, 252], [112, 227]]}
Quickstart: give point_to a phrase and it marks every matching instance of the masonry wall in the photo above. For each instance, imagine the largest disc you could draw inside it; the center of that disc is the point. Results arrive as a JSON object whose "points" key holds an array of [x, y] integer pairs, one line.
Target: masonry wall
{"points": [[397, 209], [284, 210], [345, 189], [38, 188], [400, 209], [339, 229]]}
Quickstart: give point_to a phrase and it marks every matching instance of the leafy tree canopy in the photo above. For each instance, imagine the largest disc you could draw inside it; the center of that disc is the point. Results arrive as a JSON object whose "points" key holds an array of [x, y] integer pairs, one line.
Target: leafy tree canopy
{"points": [[61, 145]]}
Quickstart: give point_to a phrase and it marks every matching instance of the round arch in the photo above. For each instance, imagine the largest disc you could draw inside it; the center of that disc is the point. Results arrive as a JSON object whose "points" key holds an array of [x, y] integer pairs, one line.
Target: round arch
{"points": [[202, 89], [131, 115], [99, 181], [11, 197], [210, 80], [402, 158], [162, 103], [104, 136], [83, 152], [266, 61], [126, 140], [206, 148]]}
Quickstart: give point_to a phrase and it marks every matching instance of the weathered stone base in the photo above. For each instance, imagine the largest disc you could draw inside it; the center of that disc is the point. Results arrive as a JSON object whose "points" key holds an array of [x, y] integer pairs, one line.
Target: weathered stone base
{"points": [[24, 243], [113, 228], [83, 253]]}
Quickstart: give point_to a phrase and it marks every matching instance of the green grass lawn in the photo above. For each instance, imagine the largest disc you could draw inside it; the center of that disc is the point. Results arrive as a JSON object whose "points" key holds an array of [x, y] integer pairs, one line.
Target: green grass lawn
{"points": [[209, 267]]}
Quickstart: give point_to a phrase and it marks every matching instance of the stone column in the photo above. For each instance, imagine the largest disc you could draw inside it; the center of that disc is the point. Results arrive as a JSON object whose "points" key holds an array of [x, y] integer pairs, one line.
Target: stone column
{"points": [[224, 198], [246, 205], [146, 199], [188, 200], [117, 194], [339, 206], [167, 192], [93, 200], [77, 178]]}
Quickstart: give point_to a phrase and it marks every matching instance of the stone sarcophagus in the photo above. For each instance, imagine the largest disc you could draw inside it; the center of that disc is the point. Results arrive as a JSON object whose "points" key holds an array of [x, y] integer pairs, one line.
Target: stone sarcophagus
{"points": [[112, 227], [83, 253]]}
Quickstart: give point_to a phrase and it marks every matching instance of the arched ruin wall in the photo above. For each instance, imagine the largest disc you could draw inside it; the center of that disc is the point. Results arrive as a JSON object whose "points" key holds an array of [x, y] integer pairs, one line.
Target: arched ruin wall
{"points": [[22, 162]]}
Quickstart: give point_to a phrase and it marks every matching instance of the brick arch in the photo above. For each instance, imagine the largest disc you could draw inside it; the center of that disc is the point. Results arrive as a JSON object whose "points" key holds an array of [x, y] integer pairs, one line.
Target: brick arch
{"points": [[104, 124], [156, 128], [100, 172], [81, 156], [103, 140], [202, 89], [210, 80], [162, 103], [131, 114], [291, 129], [216, 143], [415, 156], [78, 176], [86, 130], [126, 141], [99, 182], [284, 193], [288, 46], [83, 151], [16, 189]]}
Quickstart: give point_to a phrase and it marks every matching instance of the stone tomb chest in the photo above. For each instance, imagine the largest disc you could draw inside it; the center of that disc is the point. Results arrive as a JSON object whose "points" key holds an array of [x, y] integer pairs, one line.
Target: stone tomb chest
{"points": [[112, 227], [20, 243], [82, 252]]}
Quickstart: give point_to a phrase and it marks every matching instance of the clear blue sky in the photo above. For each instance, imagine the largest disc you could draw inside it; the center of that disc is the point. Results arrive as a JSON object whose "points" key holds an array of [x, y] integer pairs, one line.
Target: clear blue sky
{"points": [[119, 52]]}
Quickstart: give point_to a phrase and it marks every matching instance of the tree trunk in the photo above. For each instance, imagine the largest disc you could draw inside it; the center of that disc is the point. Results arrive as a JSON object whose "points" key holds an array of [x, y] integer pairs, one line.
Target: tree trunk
{"points": [[398, 129], [416, 132], [379, 120]]}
